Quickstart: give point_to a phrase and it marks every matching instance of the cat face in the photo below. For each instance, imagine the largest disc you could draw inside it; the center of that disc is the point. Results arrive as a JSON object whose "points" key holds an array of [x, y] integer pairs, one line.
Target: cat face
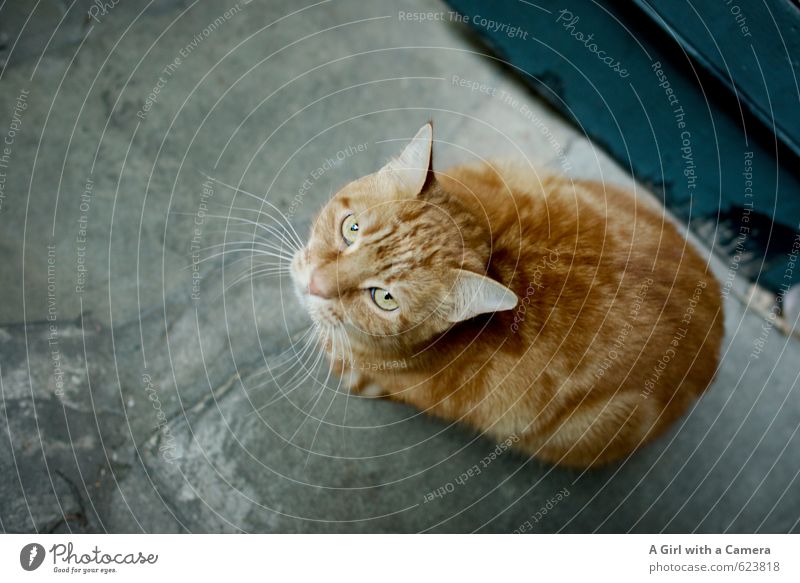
{"points": [[385, 261]]}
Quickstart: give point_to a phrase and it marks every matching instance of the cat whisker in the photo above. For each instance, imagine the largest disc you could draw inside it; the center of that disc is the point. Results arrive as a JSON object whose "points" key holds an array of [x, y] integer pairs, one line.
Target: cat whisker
{"points": [[344, 347], [349, 389], [319, 392], [328, 335], [303, 339], [260, 200], [256, 274], [269, 229], [294, 384], [250, 234], [262, 268], [349, 353], [253, 268], [254, 246], [334, 393], [256, 264], [276, 220], [303, 373], [276, 228], [273, 229], [298, 365], [245, 246], [254, 254], [264, 253], [257, 260]]}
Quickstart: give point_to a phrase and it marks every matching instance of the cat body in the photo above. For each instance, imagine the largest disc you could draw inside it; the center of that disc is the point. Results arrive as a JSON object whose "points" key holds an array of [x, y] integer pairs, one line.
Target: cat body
{"points": [[559, 313]]}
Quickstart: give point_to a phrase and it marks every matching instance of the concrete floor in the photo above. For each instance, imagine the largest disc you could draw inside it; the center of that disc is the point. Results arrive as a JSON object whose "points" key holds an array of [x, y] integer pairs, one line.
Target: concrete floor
{"points": [[129, 405]]}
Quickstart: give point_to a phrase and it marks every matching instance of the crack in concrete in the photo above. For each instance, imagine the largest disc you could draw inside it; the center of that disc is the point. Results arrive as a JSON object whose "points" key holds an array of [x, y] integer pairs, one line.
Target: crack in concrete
{"points": [[80, 516]]}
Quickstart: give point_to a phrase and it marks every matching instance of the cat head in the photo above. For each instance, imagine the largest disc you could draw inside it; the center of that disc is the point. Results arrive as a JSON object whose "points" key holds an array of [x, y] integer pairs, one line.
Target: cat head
{"points": [[392, 256]]}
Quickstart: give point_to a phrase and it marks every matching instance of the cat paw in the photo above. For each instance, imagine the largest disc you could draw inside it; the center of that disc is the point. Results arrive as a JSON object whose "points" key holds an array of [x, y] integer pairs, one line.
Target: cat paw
{"points": [[350, 380], [356, 383], [372, 391]]}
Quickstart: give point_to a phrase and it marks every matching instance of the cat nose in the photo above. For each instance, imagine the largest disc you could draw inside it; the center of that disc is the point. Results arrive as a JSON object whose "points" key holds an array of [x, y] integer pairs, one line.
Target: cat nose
{"points": [[317, 286]]}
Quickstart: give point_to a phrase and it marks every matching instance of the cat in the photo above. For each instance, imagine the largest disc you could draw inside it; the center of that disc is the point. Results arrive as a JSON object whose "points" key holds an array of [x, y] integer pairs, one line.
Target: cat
{"points": [[560, 315]]}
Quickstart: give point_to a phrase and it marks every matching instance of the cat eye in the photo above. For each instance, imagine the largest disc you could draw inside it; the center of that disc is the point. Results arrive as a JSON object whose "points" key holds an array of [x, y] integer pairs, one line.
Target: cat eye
{"points": [[383, 299], [349, 229]]}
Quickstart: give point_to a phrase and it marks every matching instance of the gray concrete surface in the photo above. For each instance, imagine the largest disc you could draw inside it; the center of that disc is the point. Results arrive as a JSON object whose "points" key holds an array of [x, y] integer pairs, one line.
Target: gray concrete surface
{"points": [[130, 406]]}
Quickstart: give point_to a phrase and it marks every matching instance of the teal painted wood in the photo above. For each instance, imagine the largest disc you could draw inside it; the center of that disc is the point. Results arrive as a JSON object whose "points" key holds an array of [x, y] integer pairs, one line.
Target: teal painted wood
{"points": [[751, 47], [632, 88]]}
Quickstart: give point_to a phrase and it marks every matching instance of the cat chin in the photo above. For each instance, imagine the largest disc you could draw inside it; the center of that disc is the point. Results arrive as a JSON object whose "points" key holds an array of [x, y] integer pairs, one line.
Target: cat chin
{"points": [[321, 313]]}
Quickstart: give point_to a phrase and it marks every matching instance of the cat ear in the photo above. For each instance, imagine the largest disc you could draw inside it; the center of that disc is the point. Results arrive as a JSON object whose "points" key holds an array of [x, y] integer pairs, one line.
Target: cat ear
{"points": [[475, 294], [410, 170]]}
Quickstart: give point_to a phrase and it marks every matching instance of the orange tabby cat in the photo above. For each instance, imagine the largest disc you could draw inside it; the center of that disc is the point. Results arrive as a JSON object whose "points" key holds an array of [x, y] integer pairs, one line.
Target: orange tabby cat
{"points": [[560, 314]]}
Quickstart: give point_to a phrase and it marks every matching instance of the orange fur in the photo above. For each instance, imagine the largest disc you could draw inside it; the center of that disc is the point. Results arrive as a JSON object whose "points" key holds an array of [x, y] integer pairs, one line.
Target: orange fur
{"points": [[616, 331]]}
